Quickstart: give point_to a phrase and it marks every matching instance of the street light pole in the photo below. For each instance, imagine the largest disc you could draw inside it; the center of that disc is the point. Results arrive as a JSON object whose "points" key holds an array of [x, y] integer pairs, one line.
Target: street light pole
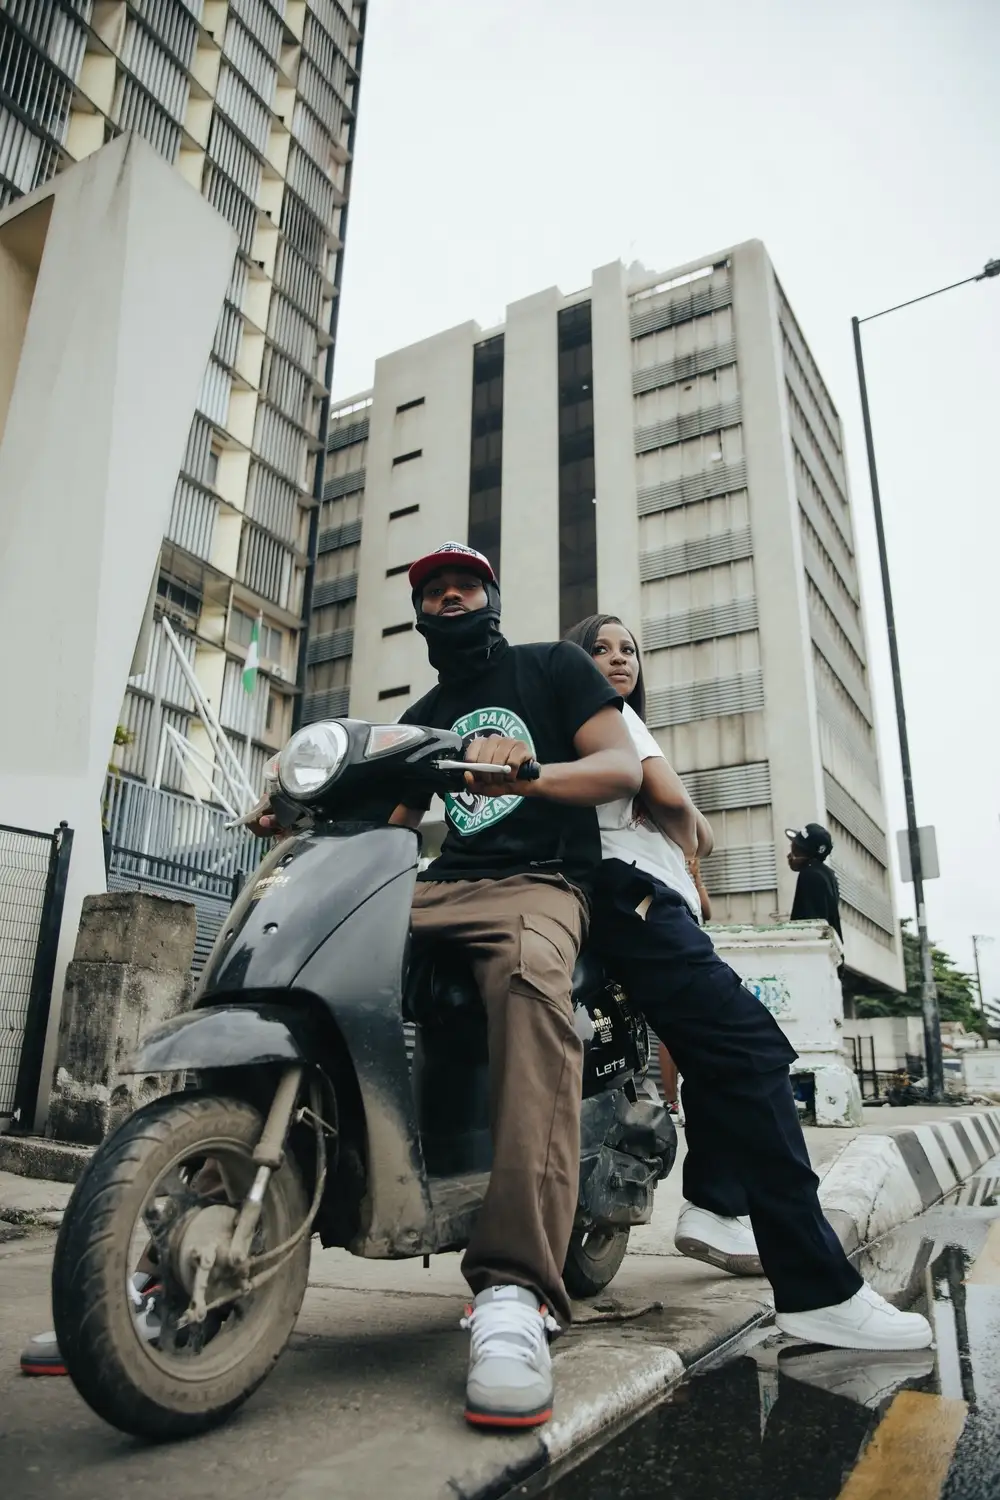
{"points": [[929, 998]]}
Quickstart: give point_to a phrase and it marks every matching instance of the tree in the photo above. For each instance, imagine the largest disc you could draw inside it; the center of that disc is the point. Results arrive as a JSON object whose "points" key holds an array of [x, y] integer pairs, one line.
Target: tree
{"points": [[957, 998]]}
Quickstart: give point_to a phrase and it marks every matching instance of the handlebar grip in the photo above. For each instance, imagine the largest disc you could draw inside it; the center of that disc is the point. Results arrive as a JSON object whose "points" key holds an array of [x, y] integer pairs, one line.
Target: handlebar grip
{"points": [[530, 770]]}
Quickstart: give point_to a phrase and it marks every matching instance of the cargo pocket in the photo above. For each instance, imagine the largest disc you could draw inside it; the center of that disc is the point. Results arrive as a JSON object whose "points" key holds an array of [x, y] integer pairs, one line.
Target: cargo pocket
{"points": [[545, 964]]}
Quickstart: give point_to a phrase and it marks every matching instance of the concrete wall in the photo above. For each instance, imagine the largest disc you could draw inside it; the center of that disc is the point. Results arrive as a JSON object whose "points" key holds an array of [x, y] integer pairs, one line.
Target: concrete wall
{"points": [[792, 737], [529, 540], [129, 267], [618, 591], [439, 370]]}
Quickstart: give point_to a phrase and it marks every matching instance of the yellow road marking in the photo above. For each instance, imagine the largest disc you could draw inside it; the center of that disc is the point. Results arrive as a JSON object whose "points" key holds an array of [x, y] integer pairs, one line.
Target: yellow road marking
{"points": [[910, 1454], [986, 1268]]}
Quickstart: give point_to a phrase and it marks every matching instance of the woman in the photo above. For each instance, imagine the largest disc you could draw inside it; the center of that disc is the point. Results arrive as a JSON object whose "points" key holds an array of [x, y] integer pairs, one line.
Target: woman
{"points": [[664, 826], [741, 1116]]}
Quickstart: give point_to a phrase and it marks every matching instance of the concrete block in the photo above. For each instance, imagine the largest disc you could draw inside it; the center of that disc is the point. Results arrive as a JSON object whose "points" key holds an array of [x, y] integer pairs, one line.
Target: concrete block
{"points": [[137, 928], [136, 976]]}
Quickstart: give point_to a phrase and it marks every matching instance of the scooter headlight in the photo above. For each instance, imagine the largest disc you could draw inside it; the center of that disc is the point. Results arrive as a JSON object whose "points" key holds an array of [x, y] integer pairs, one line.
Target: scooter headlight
{"points": [[311, 759]]}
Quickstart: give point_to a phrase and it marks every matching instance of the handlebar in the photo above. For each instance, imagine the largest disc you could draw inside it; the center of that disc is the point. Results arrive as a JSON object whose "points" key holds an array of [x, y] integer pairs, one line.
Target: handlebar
{"points": [[529, 770]]}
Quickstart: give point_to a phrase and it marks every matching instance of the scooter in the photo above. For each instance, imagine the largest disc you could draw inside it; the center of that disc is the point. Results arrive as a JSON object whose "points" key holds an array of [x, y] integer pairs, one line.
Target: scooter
{"points": [[296, 1108]]}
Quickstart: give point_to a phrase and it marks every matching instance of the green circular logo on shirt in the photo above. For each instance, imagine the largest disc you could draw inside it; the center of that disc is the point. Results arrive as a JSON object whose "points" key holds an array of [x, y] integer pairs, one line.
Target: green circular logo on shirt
{"points": [[467, 812]]}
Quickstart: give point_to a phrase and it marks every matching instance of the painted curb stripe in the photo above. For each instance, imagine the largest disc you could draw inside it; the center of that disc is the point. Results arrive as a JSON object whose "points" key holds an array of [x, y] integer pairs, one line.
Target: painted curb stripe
{"points": [[956, 1150], [911, 1451], [923, 1174], [927, 1136]]}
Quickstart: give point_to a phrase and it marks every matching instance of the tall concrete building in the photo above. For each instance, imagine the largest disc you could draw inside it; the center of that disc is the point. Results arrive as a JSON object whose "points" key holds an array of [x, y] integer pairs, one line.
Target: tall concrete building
{"points": [[661, 447], [253, 102]]}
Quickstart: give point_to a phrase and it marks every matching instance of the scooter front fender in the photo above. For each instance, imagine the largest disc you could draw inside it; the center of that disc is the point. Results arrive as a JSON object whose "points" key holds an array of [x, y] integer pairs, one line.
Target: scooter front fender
{"points": [[222, 1036], [304, 890]]}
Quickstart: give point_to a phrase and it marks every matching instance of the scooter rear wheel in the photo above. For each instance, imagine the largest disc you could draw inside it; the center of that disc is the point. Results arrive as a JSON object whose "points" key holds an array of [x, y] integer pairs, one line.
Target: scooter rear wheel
{"points": [[593, 1260], [182, 1381]]}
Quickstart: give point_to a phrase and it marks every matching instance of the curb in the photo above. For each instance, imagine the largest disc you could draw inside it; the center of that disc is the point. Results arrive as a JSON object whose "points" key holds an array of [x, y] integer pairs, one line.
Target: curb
{"points": [[34, 1156], [874, 1185], [880, 1181]]}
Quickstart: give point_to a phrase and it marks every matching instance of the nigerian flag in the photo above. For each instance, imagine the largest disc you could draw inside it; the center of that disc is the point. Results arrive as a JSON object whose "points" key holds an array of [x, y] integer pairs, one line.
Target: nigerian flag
{"points": [[253, 657]]}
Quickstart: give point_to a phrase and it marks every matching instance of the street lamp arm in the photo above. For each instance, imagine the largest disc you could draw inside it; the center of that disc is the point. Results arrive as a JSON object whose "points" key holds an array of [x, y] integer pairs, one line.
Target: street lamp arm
{"points": [[991, 268]]}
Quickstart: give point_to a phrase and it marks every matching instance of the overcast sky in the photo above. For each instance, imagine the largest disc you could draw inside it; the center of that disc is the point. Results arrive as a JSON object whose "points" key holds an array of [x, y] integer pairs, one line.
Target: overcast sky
{"points": [[509, 145]]}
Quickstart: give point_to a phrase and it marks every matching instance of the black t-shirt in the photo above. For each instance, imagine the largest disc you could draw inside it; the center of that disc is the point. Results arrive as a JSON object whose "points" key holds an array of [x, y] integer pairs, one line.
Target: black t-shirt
{"points": [[817, 896], [541, 695]]}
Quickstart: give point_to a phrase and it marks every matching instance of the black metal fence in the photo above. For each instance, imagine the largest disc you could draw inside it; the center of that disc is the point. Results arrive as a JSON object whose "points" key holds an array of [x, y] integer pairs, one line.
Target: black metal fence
{"points": [[33, 870], [212, 893]]}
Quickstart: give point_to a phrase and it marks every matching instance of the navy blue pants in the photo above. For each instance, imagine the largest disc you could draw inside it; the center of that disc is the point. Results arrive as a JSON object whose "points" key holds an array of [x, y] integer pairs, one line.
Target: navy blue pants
{"points": [[733, 1057]]}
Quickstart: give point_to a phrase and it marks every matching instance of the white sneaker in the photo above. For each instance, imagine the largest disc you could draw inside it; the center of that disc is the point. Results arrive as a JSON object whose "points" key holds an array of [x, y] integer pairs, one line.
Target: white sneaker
{"points": [[726, 1243], [864, 1321], [867, 1377], [510, 1368]]}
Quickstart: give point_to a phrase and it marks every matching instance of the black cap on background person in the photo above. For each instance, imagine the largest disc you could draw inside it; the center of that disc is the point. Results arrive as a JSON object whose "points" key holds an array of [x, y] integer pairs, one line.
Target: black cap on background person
{"points": [[813, 840]]}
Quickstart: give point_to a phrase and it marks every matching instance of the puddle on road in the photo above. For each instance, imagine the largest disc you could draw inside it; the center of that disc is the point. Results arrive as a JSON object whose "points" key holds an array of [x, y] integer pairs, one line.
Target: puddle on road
{"points": [[788, 1421]]}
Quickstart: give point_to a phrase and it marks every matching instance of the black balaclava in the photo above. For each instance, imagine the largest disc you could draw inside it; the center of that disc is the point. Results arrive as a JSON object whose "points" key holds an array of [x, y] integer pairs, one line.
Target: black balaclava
{"points": [[462, 646]]}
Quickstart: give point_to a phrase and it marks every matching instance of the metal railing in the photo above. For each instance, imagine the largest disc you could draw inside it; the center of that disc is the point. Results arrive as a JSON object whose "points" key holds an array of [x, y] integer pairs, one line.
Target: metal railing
{"points": [[33, 871]]}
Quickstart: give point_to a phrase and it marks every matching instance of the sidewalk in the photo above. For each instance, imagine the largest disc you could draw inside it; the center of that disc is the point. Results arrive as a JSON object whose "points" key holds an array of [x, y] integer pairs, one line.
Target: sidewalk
{"points": [[367, 1400]]}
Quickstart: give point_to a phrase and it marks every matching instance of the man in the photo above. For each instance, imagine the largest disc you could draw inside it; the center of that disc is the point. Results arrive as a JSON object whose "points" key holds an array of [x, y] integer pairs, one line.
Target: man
{"points": [[510, 887], [817, 894]]}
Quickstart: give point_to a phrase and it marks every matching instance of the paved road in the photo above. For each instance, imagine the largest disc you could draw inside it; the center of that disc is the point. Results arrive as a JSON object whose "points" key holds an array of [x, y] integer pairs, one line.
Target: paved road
{"points": [[785, 1421], [366, 1402]]}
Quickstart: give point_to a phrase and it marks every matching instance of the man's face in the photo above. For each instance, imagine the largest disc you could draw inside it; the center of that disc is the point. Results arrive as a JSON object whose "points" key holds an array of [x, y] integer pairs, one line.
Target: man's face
{"points": [[453, 591], [797, 858]]}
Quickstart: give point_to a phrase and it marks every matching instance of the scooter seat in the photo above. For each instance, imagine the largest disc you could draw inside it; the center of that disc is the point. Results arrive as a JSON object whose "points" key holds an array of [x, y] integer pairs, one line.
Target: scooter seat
{"points": [[440, 985]]}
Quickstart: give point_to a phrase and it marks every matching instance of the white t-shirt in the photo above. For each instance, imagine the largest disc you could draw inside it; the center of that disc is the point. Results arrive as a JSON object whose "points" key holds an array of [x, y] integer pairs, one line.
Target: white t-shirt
{"points": [[637, 841]]}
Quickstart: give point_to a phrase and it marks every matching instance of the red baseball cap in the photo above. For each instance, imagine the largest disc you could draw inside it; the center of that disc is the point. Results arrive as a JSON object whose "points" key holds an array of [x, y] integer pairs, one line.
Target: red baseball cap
{"points": [[450, 555]]}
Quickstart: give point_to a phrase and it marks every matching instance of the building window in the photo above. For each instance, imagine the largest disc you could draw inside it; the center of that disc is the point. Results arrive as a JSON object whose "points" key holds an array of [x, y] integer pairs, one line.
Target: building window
{"points": [[397, 629], [398, 692], [577, 510], [395, 572], [409, 405], [406, 510], [405, 458], [485, 468], [179, 601], [241, 628]]}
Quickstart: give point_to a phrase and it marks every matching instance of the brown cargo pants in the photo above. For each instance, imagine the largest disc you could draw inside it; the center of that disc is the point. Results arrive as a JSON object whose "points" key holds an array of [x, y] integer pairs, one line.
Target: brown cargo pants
{"points": [[522, 935]]}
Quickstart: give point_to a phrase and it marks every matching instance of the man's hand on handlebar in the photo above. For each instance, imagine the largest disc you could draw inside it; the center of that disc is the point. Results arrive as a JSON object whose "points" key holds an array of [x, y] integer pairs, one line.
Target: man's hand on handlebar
{"points": [[498, 751]]}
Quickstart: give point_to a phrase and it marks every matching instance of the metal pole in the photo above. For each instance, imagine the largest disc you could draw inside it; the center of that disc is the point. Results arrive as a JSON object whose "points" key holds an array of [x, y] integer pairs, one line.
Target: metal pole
{"points": [[932, 1018], [984, 1023]]}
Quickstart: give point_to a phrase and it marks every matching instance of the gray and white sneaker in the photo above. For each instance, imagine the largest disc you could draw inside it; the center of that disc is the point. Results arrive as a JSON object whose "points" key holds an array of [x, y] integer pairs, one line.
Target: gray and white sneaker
{"points": [[510, 1368]]}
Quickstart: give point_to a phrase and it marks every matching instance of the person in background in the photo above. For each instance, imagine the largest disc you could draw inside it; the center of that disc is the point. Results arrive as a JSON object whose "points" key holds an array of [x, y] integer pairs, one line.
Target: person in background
{"points": [[817, 894], [733, 1054]]}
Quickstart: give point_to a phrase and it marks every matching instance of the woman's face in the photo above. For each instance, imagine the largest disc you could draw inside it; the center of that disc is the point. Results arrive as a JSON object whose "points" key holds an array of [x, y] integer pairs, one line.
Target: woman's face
{"points": [[615, 654]]}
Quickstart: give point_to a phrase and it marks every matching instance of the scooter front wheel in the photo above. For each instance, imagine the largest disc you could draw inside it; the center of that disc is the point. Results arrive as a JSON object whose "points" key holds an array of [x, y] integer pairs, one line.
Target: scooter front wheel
{"points": [[184, 1162], [593, 1260]]}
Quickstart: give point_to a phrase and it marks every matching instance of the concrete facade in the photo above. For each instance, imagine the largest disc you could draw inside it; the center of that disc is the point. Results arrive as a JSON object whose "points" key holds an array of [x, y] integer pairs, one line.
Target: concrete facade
{"points": [[113, 259], [722, 535], [253, 105]]}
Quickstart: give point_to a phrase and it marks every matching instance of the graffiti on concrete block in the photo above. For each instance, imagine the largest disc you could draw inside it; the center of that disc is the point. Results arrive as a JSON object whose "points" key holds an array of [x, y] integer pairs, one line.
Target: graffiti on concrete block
{"points": [[773, 993]]}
